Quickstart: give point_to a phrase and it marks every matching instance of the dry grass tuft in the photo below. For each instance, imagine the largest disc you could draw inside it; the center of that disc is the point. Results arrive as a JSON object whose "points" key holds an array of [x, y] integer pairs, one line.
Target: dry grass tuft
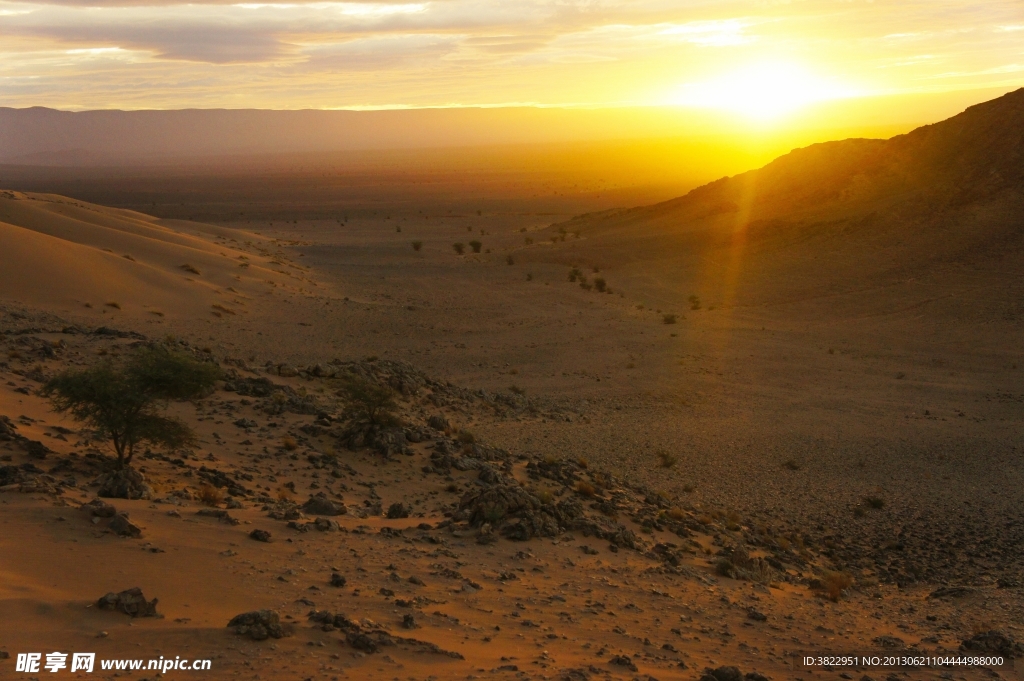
{"points": [[835, 583], [210, 495], [289, 443], [666, 459], [585, 488]]}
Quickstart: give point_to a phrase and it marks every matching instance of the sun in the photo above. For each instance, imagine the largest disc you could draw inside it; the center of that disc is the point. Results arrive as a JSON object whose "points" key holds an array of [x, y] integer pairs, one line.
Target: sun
{"points": [[763, 91]]}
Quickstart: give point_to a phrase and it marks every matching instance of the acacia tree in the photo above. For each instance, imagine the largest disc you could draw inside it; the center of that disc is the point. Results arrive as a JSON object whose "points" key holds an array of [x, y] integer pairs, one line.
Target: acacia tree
{"points": [[123, 401], [367, 403]]}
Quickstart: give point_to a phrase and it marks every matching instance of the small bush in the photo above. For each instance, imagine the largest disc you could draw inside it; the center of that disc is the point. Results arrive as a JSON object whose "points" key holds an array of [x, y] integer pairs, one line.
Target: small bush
{"points": [[529, 276], [575, 274], [417, 246], [669, 319], [476, 246], [510, 260], [791, 464], [210, 495], [585, 488], [675, 513], [694, 303], [289, 443], [600, 284], [724, 568], [452, 487], [874, 502], [466, 437], [459, 248], [666, 459], [545, 496], [582, 463]]}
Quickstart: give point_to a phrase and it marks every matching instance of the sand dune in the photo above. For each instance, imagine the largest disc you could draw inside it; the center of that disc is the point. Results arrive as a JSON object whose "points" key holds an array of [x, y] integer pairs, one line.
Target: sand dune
{"points": [[67, 253]]}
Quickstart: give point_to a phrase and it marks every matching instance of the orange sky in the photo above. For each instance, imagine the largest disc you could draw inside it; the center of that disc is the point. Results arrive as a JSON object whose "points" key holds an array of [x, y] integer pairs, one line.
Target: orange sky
{"points": [[763, 61]]}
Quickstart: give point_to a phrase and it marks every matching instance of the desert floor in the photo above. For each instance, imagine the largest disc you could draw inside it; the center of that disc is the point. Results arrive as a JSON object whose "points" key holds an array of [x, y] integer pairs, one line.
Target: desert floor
{"points": [[857, 435]]}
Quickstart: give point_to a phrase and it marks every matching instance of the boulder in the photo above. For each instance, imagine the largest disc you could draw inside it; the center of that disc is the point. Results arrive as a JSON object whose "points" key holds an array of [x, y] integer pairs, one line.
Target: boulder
{"points": [[319, 504], [398, 510], [98, 508], [130, 602], [126, 483], [259, 625], [120, 525]]}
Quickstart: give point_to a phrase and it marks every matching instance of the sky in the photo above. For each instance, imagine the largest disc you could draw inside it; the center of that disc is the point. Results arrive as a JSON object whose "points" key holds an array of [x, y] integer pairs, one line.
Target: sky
{"points": [[759, 58]]}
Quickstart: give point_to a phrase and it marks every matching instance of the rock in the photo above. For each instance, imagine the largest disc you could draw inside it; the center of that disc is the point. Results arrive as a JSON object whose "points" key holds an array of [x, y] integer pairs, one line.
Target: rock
{"points": [[36, 449], [8, 431], [439, 423], [574, 675], [326, 525], [120, 525], [889, 641], [220, 514], [126, 483], [259, 625], [245, 423], [287, 371], [413, 579], [623, 661], [98, 508], [726, 673], [130, 602], [362, 642], [995, 642], [755, 676], [321, 505], [408, 622], [951, 592], [260, 535], [398, 510], [756, 615], [338, 580]]}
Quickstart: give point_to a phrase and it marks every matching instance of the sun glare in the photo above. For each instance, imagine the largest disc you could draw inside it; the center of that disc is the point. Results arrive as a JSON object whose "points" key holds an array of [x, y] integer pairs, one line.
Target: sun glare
{"points": [[764, 91]]}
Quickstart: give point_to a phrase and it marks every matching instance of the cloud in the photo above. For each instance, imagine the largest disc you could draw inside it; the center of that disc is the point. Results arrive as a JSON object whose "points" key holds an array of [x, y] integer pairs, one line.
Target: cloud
{"points": [[292, 53]]}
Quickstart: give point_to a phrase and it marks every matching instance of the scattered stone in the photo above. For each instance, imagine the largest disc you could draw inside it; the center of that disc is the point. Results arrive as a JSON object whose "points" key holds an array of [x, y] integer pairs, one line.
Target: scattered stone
{"points": [[995, 642], [98, 508], [220, 514], [319, 504], [130, 602], [338, 580], [126, 483], [398, 510], [120, 525], [951, 592], [260, 535], [623, 661], [408, 622], [889, 641], [259, 625], [756, 615]]}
